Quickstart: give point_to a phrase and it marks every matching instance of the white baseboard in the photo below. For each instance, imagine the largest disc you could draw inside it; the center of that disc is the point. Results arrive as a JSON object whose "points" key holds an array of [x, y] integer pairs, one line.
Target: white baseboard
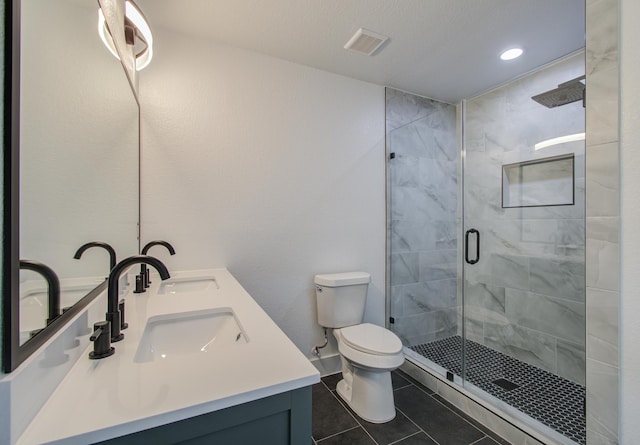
{"points": [[327, 364]]}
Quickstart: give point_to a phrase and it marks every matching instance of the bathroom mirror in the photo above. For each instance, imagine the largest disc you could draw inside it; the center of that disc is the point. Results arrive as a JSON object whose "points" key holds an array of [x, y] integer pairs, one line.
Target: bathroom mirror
{"points": [[73, 173]]}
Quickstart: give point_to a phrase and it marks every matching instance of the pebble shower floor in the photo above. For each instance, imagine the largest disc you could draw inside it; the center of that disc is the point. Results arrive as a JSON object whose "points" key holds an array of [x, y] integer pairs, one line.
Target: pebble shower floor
{"points": [[554, 401]]}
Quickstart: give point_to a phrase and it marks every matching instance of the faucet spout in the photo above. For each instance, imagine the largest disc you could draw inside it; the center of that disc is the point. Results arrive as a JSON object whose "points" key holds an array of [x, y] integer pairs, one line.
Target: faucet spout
{"points": [[144, 273], [113, 312], [150, 244], [53, 284], [107, 247]]}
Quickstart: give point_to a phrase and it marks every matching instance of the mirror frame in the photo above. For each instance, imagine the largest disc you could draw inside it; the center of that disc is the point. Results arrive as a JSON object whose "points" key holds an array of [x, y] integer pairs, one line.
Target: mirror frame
{"points": [[13, 353]]}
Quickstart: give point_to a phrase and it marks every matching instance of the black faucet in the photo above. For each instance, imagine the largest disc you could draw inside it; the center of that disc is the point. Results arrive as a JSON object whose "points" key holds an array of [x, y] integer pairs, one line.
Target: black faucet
{"points": [[53, 284], [113, 305], [107, 247], [144, 273]]}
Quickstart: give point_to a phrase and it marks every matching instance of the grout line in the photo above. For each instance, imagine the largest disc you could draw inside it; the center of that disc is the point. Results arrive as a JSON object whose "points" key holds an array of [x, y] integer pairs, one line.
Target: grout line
{"points": [[418, 426], [482, 438], [367, 433], [410, 435], [455, 413], [337, 434]]}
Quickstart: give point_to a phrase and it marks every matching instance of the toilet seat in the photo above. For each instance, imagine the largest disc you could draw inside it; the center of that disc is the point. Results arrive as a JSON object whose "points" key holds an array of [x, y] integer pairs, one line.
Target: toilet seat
{"points": [[379, 360], [371, 339]]}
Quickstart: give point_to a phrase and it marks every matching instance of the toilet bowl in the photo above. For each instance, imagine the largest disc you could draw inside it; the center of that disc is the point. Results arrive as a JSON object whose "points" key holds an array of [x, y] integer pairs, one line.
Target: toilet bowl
{"points": [[368, 352]]}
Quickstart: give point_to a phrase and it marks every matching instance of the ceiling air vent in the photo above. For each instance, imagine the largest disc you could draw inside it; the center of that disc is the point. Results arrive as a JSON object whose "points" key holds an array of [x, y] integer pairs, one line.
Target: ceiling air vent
{"points": [[365, 42]]}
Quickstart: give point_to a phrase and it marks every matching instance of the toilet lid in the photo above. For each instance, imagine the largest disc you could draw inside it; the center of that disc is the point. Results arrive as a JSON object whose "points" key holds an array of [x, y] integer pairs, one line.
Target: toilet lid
{"points": [[371, 339]]}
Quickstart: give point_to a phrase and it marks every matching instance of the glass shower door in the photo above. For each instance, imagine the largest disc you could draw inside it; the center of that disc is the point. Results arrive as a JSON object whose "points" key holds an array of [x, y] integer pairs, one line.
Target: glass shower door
{"points": [[523, 277]]}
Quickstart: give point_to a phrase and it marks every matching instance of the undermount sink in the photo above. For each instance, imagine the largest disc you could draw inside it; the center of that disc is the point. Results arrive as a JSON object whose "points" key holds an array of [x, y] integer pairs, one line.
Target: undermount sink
{"points": [[187, 285], [173, 336], [34, 303]]}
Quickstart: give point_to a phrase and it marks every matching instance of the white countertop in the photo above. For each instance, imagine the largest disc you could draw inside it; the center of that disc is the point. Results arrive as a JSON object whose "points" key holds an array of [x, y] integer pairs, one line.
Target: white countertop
{"points": [[115, 396]]}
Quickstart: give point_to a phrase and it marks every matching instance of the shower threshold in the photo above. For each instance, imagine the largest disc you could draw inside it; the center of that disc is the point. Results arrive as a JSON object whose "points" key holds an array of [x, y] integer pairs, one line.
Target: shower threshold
{"points": [[553, 401]]}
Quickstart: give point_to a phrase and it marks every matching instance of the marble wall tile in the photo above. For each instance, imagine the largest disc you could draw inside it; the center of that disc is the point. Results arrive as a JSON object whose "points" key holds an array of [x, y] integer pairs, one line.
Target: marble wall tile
{"points": [[602, 183], [510, 271], [438, 265], [602, 99], [532, 347], [473, 326], [428, 296], [571, 237], [575, 211], [602, 257], [602, 402], [436, 324], [405, 268], [571, 361], [412, 235], [406, 141], [438, 134], [484, 296], [427, 337], [561, 237], [558, 317], [403, 108], [396, 305], [404, 171], [602, 35], [602, 325], [540, 231], [408, 203], [446, 235], [558, 278]]}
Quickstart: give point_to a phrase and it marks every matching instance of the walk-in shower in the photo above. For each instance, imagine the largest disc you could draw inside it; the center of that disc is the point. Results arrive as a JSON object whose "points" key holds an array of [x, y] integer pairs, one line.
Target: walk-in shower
{"points": [[486, 245]]}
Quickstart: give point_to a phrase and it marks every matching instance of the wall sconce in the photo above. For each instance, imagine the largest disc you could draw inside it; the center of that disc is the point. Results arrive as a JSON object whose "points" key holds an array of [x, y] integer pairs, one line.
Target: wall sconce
{"points": [[136, 30]]}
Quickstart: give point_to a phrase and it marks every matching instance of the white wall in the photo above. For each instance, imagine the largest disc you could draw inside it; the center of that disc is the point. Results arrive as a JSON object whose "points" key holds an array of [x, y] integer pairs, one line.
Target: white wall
{"points": [[271, 169], [78, 142], [630, 209]]}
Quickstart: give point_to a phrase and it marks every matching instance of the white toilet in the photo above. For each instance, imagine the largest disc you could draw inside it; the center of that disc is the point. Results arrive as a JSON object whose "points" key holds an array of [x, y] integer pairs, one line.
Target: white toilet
{"points": [[369, 353]]}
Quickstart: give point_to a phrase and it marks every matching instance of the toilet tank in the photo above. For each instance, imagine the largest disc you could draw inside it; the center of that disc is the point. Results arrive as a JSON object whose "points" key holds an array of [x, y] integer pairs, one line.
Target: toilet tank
{"points": [[341, 298]]}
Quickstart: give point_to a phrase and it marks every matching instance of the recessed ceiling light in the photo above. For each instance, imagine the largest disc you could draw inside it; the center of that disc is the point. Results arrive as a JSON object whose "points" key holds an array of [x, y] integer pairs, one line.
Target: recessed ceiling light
{"points": [[511, 54]]}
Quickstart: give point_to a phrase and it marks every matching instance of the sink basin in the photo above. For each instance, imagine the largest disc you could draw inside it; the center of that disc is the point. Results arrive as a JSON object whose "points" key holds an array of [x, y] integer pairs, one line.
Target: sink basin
{"points": [[173, 336], [187, 285], [34, 302]]}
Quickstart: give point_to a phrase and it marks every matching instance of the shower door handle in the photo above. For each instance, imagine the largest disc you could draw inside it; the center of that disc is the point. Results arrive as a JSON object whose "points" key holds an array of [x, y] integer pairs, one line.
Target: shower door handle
{"points": [[466, 246]]}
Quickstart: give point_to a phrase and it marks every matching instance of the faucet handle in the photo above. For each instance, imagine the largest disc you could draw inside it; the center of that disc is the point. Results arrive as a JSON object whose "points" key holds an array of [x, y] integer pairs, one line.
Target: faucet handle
{"points": [[123, 325], [139, 284], [101, 339]]}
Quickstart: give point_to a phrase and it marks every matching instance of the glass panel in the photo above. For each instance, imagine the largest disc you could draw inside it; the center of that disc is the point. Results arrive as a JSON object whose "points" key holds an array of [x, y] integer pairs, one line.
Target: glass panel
{"points": [[524, 299], [422, 172]]}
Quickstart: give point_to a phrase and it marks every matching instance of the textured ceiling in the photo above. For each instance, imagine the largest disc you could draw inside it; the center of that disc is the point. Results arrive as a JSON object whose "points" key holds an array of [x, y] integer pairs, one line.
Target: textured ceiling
{"points": [[443, 49]]}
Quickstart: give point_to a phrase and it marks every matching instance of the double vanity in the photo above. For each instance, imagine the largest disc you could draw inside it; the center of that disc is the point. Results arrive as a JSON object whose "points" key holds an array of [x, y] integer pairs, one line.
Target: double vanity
{"points": [[200, 360]]}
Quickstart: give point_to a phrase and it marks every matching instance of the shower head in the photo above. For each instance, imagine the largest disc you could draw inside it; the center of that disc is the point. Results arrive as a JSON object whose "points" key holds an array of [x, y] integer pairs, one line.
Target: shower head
{"points": [[566, 93]]}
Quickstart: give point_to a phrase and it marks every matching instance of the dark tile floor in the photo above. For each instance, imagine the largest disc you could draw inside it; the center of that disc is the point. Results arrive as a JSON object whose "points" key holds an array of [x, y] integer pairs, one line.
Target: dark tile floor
{"points": [[422, 417]]}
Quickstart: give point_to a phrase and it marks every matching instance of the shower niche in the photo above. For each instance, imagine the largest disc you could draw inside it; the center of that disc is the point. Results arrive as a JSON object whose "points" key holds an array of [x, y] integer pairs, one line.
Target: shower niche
{"points": [[539, 182]]}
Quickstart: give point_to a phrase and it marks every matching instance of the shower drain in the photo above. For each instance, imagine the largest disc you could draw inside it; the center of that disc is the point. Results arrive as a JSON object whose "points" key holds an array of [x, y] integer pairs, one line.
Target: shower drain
{"points": [[505, 384]]}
